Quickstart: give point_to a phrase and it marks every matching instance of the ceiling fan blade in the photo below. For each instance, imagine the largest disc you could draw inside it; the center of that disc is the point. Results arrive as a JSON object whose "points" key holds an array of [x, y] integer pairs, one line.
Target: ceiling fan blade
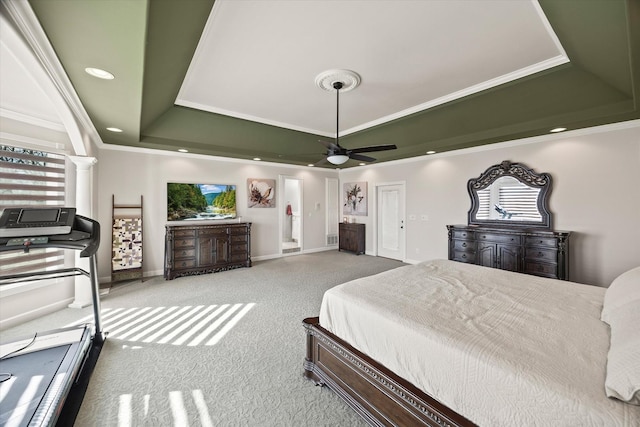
{"points": [[361, 157], [374, 148], [330, 145], [321, 162]]}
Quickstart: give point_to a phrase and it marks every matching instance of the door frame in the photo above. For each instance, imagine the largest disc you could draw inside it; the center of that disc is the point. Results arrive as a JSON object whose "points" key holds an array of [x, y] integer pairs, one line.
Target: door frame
{"points": [[374, 217], [280, 206]]}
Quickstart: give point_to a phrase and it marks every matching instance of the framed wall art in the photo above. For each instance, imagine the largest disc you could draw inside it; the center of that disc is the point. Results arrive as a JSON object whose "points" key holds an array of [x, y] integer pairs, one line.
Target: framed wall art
{"points": [[355, 198], [261, 193]]}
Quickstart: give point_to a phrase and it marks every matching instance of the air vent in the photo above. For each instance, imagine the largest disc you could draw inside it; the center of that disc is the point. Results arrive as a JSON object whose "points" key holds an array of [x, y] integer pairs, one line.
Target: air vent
{"points": [[332, 240]]}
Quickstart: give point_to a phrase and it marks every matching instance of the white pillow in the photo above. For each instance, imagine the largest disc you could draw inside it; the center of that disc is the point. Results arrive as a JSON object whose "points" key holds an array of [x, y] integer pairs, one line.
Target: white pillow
{"points": [[623, 360], [623, 290]]}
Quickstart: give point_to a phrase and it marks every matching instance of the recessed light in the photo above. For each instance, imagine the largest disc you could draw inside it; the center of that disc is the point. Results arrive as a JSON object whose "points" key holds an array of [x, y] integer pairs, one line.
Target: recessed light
{"points": [[363, 164], [114, 130], [183, 150], [311, 165], [431, 152], [257, 159], [555, 130], [101, 74]]}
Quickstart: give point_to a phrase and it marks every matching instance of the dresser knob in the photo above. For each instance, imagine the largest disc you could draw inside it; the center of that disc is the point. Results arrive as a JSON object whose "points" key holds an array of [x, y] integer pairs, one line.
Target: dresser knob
{"points": [[464, 245]]}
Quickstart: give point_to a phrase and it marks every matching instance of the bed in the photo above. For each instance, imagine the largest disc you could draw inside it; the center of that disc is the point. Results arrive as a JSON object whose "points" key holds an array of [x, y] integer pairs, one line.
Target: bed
{"points": [[443, 343]]}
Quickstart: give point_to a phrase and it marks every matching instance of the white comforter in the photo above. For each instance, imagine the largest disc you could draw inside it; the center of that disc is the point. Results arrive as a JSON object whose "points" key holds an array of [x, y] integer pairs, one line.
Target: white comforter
{"points": [[500, 348]]}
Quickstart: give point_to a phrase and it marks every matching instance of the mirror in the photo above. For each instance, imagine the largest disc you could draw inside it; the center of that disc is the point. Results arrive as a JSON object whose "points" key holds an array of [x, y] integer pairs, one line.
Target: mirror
{"points": [[510, 195]]}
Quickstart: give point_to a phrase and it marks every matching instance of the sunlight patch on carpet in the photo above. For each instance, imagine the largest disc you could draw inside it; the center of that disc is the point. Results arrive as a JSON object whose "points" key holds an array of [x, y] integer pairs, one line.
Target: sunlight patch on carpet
{"points": [[176, 325]]}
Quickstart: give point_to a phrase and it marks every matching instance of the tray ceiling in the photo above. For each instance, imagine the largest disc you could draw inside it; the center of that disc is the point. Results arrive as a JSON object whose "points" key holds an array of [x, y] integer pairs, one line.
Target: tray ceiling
{"points": [[236, 79]]}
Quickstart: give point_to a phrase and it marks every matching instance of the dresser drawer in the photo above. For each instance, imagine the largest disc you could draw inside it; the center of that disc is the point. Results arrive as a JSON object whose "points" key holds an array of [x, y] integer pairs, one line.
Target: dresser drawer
{"points": [[185, 263], [549, 242], [238, 230], [184, 233], [463, 245], [463, 256], [549, 255], [498, 238], [184, 243], [239, 248], [207, 232], [184, 253], [541, 269], [238, 257], [462, 234], [239, 238]]}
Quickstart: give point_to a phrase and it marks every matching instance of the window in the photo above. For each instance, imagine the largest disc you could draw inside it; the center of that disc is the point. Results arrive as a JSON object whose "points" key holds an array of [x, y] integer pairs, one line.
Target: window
{"points": [[30, 178]]}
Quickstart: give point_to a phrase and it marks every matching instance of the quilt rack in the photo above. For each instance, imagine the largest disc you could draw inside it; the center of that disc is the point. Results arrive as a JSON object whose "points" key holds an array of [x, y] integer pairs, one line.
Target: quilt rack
{"points": [[63, 357], [126, 241]]}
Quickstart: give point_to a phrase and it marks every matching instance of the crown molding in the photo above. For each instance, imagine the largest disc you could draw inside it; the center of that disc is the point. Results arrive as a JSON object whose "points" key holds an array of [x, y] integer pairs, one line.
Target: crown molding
{"points": [[31, 120], [630, 124], [28, 26]]}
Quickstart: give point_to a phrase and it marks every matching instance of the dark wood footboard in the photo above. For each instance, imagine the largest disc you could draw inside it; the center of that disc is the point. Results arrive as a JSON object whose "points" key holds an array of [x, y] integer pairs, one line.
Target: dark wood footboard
{"points": [[377, 394]]}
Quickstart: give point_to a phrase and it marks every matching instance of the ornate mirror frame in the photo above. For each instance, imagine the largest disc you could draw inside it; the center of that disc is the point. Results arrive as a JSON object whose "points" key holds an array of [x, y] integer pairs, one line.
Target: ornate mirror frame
{"points": [[527, 177]]}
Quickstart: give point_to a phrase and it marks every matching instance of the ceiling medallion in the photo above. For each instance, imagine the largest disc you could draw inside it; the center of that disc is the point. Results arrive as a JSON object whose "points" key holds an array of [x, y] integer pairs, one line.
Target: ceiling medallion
{"points": [[349, 79]]}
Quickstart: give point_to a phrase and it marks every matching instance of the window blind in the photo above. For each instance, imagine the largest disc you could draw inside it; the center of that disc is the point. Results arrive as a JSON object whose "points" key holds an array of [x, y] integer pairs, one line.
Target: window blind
{"points": [[484, 199], [521, 201], [30, 178]]}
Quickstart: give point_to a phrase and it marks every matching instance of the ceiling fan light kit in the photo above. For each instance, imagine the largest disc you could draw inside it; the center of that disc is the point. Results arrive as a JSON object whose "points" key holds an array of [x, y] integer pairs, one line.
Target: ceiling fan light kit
{"points": [[337, 159], [343, 80]]}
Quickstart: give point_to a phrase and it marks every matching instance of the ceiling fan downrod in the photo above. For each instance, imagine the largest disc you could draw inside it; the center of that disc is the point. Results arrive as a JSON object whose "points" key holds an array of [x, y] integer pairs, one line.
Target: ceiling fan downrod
{"points": [[337, 86]]}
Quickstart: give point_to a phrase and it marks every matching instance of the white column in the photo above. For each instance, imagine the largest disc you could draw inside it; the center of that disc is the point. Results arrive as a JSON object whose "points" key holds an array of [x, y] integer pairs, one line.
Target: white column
{"points": [[84, 183]]}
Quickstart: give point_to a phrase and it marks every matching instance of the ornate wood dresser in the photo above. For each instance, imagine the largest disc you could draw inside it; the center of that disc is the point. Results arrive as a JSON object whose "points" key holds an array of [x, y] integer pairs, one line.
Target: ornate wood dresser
{"points": [[538, 252], [510, 225], [201, 249]]}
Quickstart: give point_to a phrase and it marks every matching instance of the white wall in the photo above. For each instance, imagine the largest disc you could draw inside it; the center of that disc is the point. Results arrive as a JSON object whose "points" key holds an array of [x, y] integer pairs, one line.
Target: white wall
{"points": [[128, 174], [595, 195]]}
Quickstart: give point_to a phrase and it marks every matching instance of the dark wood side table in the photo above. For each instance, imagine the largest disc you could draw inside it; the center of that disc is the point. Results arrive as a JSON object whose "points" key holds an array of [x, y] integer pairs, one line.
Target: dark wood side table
{"points": [[351, 238]]}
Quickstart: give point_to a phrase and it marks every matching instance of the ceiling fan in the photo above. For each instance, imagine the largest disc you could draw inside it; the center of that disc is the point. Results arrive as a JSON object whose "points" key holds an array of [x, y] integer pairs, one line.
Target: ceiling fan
{"points": [[336, 154]]}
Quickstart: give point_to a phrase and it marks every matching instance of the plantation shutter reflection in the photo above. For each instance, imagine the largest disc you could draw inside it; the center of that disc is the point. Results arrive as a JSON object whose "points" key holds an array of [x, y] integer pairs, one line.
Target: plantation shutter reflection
{"points": [[30, 178], [484, 197], [521, 201]]}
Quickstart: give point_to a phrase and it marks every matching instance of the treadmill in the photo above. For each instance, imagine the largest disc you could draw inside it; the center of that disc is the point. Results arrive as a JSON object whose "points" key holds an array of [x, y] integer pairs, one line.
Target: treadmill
{"points": [[43, 377]]}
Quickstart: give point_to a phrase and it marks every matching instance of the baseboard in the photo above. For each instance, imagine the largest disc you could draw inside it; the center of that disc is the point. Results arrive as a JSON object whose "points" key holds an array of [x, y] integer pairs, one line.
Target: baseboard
{"points": [[306, 251], [145, 275], [34, 314]]}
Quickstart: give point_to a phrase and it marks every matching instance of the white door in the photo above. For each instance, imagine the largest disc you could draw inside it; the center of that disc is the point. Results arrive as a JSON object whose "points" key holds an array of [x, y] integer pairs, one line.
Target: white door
{"points": [[390, 223]]}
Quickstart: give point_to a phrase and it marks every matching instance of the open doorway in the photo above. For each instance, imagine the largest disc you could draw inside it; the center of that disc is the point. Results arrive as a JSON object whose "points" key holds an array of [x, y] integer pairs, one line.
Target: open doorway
{"points": [[291, 214]]}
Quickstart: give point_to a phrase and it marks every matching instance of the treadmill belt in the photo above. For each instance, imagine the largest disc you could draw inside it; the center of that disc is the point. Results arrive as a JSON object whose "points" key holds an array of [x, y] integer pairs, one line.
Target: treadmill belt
{"points": [[31, 376]]}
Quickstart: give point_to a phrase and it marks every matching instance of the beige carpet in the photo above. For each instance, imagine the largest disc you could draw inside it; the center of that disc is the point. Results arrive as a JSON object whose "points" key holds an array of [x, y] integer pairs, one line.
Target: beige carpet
{"points": [[223, 349]]}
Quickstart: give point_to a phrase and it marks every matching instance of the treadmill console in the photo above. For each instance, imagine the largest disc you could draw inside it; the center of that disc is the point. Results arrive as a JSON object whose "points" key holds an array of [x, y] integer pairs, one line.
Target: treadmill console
{"points": [[22, 222]]}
